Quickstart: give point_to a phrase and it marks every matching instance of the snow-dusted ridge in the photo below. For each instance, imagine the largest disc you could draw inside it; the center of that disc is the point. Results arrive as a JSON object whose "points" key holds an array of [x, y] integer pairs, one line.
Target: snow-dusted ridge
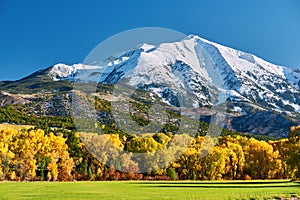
{"points": [[72, 72], [205, 68]]}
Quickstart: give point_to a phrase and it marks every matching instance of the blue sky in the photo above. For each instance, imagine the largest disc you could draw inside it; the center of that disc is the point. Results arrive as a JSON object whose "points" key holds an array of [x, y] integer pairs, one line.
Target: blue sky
{"points": [[38, 34]]}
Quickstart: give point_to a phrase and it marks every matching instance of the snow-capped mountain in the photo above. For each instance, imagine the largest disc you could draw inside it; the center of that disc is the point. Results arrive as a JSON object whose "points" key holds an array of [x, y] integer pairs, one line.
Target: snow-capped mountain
{"points": [[210, 73], [257, 96]]}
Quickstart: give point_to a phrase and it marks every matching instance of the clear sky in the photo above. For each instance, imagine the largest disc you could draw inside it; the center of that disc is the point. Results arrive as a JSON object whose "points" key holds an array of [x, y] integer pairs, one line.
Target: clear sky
{"points": [[38, 34]]}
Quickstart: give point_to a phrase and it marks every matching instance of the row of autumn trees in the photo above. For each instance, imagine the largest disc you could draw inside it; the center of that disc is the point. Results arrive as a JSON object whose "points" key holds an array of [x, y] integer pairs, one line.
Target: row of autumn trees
{"points": [[67, 155]]}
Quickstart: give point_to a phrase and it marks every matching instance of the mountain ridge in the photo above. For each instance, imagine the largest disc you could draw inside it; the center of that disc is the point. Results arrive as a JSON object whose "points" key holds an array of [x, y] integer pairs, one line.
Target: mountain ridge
{"points": [[211, 73], [244, 74]]}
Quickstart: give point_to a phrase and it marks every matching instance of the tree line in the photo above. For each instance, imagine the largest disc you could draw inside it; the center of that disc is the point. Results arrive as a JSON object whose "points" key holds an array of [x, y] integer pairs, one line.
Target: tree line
{"points": [[65, 155]]}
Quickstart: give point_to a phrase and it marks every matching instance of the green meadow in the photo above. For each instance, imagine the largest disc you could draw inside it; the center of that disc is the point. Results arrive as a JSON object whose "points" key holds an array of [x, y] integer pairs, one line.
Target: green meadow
{"points": [[150, 190]]}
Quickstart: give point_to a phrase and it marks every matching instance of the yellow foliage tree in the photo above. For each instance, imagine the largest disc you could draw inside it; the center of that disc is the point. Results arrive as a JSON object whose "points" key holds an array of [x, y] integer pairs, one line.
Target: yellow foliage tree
{"points": [[23, 152], [261, 159]]}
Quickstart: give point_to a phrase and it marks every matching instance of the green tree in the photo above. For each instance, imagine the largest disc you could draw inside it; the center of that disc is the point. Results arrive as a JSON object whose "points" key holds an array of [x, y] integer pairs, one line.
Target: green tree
{"points": [[171, 174]]}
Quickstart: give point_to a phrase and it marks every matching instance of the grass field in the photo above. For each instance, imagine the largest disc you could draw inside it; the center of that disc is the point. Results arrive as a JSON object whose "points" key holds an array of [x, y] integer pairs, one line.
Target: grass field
{"points": [[150, 190]]}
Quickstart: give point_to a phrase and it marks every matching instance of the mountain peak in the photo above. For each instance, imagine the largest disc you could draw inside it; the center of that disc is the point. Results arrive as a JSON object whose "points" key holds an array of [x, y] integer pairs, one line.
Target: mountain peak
{"points": [[194, 37], [208, 73], [203, 67], [146, 47]]}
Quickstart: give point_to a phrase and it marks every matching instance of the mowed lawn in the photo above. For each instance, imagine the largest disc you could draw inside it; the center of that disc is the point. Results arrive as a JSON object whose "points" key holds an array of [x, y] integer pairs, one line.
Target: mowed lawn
{"points": [[149, 190]]}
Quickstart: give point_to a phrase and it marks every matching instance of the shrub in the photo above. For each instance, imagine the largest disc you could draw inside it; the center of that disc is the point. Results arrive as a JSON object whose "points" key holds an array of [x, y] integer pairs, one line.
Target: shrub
{"points": [[171, 173]]}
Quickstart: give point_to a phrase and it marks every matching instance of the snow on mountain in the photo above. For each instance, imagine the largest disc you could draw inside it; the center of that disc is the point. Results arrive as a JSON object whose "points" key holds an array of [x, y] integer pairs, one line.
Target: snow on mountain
{"points": [[292, 76], [72, 72], [208, 72], [263, 83]]}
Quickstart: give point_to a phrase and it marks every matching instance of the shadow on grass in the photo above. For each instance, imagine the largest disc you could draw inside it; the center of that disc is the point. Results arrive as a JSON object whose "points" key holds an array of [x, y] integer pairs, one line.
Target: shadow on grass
{"points": [[229, 184], [225, 186], [213, 182]]}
